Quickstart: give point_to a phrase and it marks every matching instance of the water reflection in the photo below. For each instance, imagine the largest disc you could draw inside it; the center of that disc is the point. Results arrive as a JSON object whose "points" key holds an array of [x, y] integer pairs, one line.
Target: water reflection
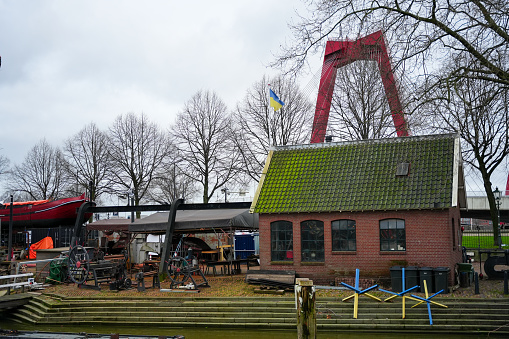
{"points": [[213, 333]]}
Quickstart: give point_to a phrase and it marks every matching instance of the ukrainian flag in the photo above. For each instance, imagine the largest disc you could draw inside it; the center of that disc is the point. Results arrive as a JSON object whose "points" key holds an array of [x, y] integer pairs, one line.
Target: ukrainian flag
{"points": [[275, 102]]}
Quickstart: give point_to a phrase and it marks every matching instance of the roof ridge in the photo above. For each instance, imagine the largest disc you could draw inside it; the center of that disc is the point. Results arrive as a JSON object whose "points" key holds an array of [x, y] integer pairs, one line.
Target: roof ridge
{"points": [[364, 141]]}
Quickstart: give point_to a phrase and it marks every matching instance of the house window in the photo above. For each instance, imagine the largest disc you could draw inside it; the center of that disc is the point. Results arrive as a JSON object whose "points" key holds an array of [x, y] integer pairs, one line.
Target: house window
{"points": [[392, 235], [281, 239], [343, 235], [312, 242]]}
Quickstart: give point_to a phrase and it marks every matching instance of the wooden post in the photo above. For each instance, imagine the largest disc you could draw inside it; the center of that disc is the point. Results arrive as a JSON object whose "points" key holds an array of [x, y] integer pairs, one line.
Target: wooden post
{"points": [[306, 311]]}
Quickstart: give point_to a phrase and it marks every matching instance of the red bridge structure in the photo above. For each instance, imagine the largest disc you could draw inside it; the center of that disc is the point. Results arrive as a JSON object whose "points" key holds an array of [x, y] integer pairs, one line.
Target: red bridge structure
{"points": [[342, 53]]}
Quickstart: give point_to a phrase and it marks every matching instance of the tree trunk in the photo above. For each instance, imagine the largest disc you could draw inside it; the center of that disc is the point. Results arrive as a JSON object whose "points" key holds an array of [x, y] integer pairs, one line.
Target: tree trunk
{"points": [[493, 209]]}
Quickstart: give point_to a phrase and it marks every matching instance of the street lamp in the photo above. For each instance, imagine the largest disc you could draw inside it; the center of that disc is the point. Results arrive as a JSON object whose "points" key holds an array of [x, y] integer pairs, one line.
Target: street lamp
{"points": [[225, 191], [498, 197]]}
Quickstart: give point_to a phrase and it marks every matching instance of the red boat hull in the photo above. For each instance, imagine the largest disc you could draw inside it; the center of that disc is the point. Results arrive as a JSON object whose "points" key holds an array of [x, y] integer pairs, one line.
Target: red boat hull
{"points": [[62, 212]]}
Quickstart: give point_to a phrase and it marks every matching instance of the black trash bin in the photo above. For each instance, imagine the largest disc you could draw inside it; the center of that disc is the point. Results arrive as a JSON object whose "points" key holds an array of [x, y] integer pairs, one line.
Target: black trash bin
{"points": [[426, 274], [411, 277], [464, 279], [441, 279], [468, 269], [396, 279]]}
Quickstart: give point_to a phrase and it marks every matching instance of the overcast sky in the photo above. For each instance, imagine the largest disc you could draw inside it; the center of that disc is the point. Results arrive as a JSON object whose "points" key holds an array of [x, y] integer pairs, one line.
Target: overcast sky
{"points": [[68, 63]]}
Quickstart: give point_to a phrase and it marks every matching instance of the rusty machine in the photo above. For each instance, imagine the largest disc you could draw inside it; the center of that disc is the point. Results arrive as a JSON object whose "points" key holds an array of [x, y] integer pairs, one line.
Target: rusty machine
{"points": [[183, 274], [85, 265]]}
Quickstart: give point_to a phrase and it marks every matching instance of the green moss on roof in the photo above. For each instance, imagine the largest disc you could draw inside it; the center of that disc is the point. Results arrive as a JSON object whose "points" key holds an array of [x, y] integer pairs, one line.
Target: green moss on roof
{"points": [[357, 176]]}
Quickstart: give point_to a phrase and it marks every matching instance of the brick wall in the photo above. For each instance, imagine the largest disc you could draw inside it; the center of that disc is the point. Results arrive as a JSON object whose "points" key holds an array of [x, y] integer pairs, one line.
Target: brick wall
{"points": [[431, 240]]}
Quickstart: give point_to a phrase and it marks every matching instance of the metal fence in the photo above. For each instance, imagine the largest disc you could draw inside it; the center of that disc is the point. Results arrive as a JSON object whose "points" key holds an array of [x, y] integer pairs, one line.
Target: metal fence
{"points": [[482, 238]]}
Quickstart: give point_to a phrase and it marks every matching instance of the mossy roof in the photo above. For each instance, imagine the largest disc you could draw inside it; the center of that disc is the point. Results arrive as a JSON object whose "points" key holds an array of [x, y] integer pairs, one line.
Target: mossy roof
{"points": [[359, 176]]}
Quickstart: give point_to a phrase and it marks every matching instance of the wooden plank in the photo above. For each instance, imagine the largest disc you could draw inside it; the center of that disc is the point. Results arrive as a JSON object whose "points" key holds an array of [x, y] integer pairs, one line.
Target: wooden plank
{"points": [[271, 278], [282, 278], [277, 272]]}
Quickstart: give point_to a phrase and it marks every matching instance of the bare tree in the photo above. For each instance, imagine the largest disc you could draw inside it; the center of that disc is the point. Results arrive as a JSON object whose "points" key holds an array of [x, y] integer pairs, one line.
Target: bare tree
{"points": [[41, 175], [359, 108], [4, 164], [259, 127], [422, 33], [203, 136], [425, 35], [137, 150], [87, 161], [172, 183], [478, 110]]}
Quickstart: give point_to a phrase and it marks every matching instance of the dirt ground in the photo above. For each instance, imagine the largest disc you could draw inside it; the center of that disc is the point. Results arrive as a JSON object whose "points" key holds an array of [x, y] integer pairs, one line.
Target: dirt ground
{"points": [[235, 286]]}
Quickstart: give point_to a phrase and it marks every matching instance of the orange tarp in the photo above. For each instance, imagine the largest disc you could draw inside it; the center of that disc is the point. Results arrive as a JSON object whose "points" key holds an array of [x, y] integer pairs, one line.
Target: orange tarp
{"points": [[21, 203], [42, 244]]}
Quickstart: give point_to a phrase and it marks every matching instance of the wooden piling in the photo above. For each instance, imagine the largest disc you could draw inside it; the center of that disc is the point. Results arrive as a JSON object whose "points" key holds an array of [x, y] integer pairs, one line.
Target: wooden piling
{"points": [[306, 311]]}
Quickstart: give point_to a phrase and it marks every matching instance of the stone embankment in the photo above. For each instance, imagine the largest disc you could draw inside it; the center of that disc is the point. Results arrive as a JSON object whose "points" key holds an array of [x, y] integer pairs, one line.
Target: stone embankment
{"points": [[465, 315]]}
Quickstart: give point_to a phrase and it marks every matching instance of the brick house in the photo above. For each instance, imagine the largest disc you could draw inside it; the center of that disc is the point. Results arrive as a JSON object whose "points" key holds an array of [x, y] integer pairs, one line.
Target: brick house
{"points": [[327, 209]]}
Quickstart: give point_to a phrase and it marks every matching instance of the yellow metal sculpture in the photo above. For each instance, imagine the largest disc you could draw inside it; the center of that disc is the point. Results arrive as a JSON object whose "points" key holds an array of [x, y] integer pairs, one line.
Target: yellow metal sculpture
{"points": [[359, 292]]}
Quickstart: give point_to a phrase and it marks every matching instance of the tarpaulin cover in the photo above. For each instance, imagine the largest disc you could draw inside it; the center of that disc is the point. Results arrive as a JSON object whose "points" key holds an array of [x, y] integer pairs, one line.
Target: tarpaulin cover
{"points": [[114, 224], [40, 245], [198, 221]]}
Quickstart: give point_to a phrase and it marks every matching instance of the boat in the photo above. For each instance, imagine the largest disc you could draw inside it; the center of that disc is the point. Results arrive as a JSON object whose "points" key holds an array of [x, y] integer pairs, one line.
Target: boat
{"points": [[43, 213]]}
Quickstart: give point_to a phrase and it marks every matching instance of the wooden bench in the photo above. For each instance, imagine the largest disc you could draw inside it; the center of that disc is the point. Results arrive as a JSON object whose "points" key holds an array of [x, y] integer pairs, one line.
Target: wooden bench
{"points": [[227, 267]]}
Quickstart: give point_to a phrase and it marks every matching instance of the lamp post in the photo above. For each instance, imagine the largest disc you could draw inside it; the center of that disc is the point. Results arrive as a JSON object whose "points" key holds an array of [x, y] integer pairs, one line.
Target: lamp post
{"points": [[130, 198], [498, 197], [225, 191], [9, 247]]}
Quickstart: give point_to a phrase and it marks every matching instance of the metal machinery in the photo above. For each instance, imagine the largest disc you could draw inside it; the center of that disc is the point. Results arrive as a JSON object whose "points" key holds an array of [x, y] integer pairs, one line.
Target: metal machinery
{"points": [[83, 267], [494, 260], [181, 273], [86, 264], [342, 53]]}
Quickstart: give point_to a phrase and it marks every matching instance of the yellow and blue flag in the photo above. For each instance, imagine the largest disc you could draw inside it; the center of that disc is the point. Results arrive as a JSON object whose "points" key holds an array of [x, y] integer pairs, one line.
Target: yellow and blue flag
{"points": [[275, 101]]}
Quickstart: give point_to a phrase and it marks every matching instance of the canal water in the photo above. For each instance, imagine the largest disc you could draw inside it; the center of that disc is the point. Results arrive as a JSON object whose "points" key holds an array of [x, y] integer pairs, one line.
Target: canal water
{"points": [[209, 333]]}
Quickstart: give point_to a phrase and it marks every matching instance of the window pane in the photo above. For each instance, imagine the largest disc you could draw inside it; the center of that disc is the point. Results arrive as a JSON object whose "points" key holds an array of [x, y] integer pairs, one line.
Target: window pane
{"points": [[312, 240], [400, 223], [392, 224], [281, 241], [343, 235], [392, 235]]}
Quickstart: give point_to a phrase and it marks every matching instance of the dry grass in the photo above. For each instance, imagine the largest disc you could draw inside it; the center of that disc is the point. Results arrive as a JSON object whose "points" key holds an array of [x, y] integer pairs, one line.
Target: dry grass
{"points": [[235, 286]]}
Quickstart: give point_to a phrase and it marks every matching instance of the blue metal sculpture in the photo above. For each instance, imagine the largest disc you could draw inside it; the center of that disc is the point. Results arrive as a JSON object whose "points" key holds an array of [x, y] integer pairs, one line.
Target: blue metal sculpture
{"points": [[402, 293], [358, 292], [427, 300]]}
